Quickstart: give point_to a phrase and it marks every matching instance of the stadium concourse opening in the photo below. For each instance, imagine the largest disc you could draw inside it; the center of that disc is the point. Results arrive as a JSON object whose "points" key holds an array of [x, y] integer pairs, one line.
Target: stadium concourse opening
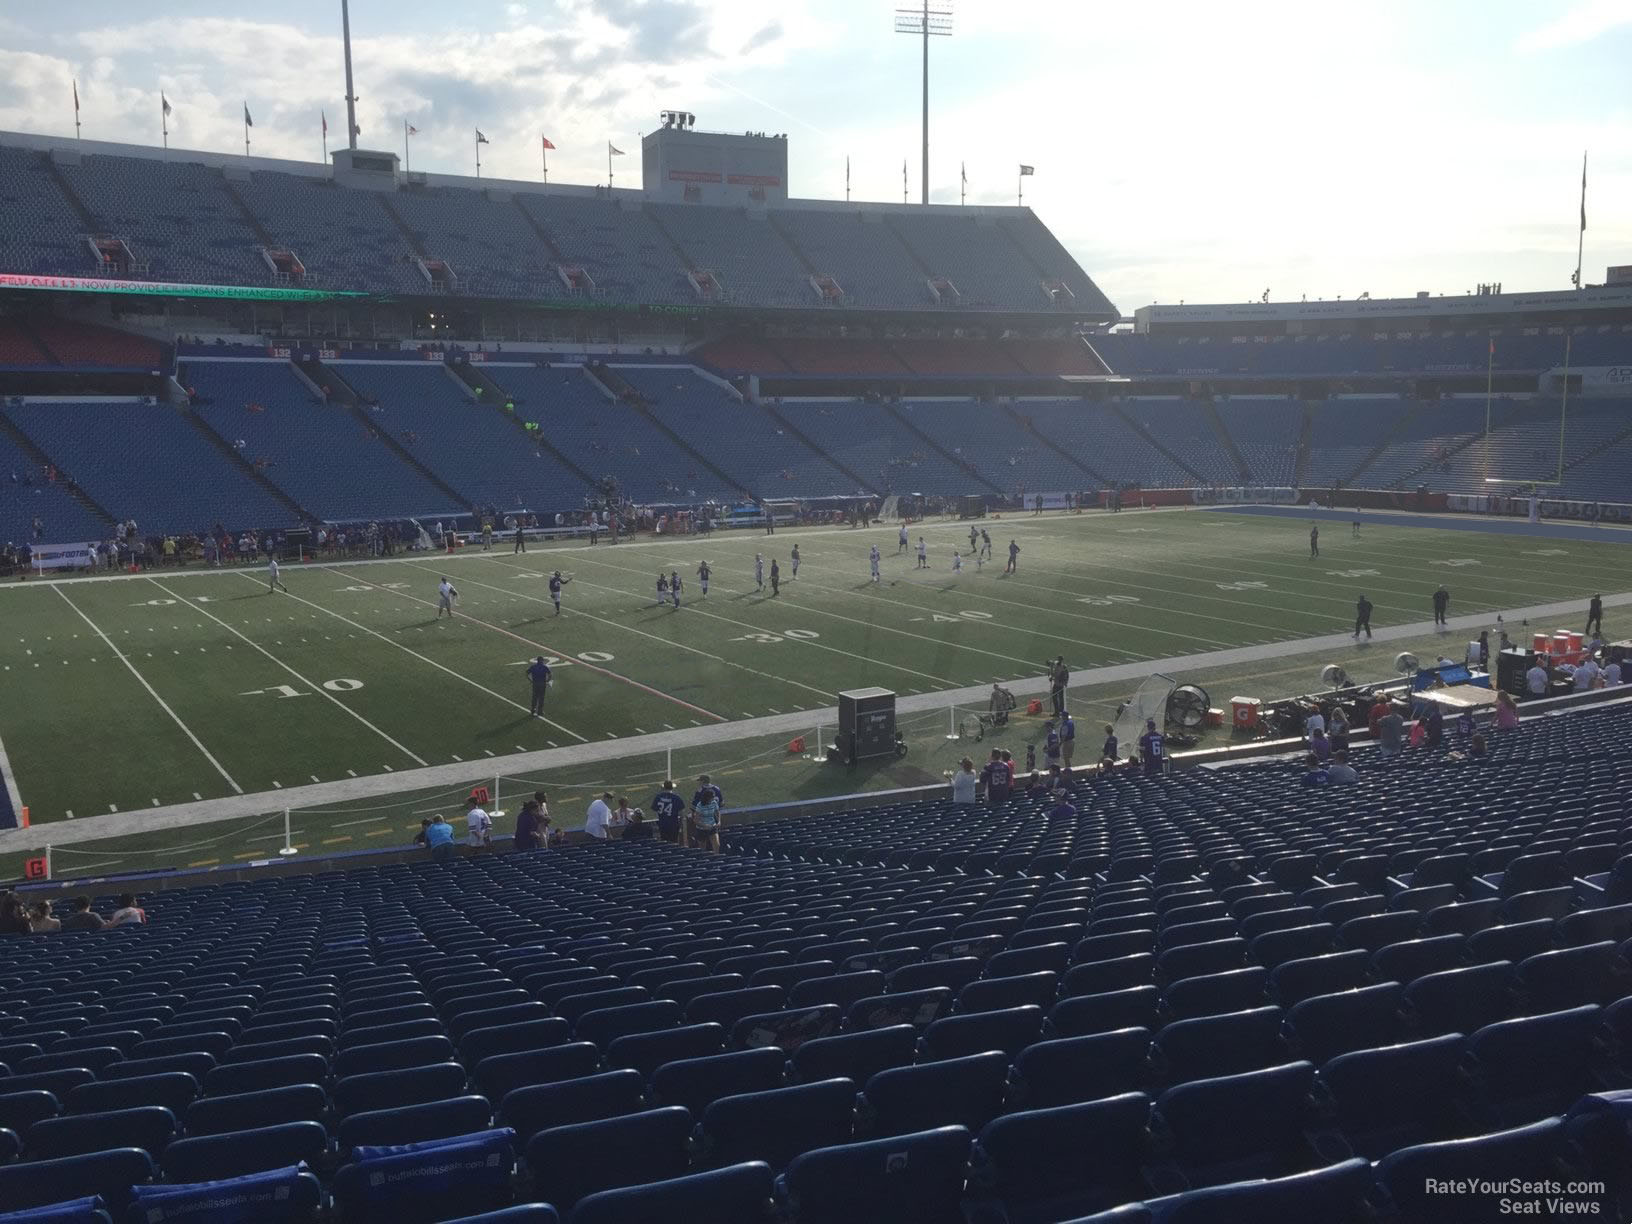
{"points": [[356, 519]]}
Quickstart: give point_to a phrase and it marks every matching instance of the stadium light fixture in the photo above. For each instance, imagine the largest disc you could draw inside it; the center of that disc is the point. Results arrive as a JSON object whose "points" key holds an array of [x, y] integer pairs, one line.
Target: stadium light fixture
{"points": [[932, 17]]}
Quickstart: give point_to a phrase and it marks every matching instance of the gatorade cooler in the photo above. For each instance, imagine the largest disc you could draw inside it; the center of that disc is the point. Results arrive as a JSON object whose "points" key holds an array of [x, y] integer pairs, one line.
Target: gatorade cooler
{"points": [[1578, 644], [1561, 647], [1541, 643], [1244, 713]]}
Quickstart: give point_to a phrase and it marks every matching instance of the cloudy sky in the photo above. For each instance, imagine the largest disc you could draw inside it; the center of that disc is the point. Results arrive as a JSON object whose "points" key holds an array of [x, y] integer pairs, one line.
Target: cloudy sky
{"points": [[1184, 149]]}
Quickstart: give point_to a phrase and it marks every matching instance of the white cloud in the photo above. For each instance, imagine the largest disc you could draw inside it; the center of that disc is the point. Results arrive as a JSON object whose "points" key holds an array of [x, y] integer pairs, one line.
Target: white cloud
{"points": [[1582, 23]]}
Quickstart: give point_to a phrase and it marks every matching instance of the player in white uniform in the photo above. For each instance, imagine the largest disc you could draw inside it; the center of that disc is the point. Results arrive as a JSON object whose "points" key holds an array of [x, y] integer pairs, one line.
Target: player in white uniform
{"points": [[445, 595], [923, 554], [674, 586], [272, 579], [901, 542], [872, 559], [759, 571], [795, 559], [957, 563]]}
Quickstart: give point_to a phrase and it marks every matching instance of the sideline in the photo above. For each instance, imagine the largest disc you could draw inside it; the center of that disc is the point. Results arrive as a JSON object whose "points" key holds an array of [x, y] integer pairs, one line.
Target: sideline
{"points": [[181, 815]]}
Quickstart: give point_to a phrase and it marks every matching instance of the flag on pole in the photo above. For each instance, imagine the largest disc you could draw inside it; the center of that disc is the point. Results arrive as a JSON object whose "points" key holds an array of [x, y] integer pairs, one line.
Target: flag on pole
{"points": [[1583, 193], [164, 104], [1026, 170], [480, 139], [324, 115], [413, 131], [963, 173], [76, 97], [547, 145], [612, 150], [248, 122]]}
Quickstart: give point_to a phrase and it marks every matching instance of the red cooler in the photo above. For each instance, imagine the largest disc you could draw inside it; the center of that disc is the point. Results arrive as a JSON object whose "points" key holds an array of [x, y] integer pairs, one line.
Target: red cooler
{"points": [[1244, 713]]}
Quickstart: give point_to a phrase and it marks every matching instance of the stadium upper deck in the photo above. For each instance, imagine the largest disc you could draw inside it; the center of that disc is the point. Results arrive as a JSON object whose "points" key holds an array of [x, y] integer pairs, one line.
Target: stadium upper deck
{"points": [[91, 209]]}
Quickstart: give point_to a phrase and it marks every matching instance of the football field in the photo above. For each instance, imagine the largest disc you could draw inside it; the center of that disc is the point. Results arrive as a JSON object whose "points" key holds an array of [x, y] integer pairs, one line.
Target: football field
{"points": [[147, 691]]}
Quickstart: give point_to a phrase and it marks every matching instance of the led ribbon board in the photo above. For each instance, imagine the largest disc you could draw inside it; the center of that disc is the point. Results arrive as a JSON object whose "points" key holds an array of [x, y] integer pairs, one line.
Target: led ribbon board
{"points": [[247, 293]]}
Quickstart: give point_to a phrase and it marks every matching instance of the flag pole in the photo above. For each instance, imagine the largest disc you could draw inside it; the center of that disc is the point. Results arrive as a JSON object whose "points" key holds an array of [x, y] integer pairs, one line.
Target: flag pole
{"points": [[324, 118], [407, 161], [246, 127], [847, 178], [164, 120], [609, 167], [544, 151], [1581, 238], [478, 155], [1020, 189], [76, 108]]}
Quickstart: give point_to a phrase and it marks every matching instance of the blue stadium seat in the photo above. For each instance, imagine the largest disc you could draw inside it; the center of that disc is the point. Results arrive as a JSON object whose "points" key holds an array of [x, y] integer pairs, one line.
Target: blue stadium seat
{"points": [[266, 1073], [149, 1127], [295, 1103], [786, 1030], [694, 1083], [1458, 1000], [1410, 1176], [237, 1153], [110, 1175], [89, 1210], [855, 1056], [479, 1043], [280, 1196], [568, 1163], [1210, 1046], [842, 989], [390, 1089], [1337, 1194], [908, 1179], [1037, 989], [1010, 1030], [738, 1194], [1211, 994], [1133, 1007], [646, 1052], [1570, 977], [1322, 1027], [381, 1056], [1525, 1069], [587, 1099], [1232, 1127], [606, 1025], [420, 1183], [967, 1091], [521, 1213], [498, 1074], [1397, 1096], [462, 1115], [1293, 981], [776, 1125], [20, 1110], [1018, 1175], [1073, 1069], [919, 1008], [1412, 958]]}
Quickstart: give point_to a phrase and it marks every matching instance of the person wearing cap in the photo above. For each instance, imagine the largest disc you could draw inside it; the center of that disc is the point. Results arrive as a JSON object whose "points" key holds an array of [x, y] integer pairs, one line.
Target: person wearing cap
{"points": [[707, 808], [599, 817], [670, 807], [1152, 748], [478, 824]]}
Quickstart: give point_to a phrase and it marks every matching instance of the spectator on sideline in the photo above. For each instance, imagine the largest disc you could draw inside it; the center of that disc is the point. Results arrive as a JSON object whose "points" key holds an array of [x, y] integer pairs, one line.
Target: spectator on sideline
{"points": [[1051, 744], [996, 780], [1339, 772], [127, 912], [1152, 748], [1391, 733], [599, 817], [964, 780], [82, 917], [669, 808], [1107, 753], [1337, 730], [1507, 711], [1380, 709], [1535, 680], [637, 829], [439, 839], [479, 824], [1586, 675], [623, 814], [1068, 738], [1315, 722], [706, 817], [1036, 788], [42, 920], [1434, 725], [1614, 673], [526, 837], [1319, 746], [13, 916]]}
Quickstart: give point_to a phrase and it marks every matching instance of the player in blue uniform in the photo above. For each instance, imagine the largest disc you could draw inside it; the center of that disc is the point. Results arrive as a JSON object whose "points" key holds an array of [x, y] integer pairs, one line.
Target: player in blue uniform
{"points": [[539, 674], [662, 588], [669, 808], [556, 583], [703, 575], [674, 586], [1152, 748]]}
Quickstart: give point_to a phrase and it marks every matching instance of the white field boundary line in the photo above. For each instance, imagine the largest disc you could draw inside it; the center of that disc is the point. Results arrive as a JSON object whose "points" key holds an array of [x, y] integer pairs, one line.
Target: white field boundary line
{"points": [[311, 684], [530, 764], [10, 781], [151, 692], [515, 705]]}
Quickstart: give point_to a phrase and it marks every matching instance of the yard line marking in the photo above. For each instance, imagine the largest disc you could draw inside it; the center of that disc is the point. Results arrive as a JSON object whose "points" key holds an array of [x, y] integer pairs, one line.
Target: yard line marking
{"points": [[329, 841], [519, 748], [377, 833], [489, 752], [311, 684], [198, 796], [70, 815], [151, 692], [352, 772], [457, 758], [277, 785], [313, 777]]}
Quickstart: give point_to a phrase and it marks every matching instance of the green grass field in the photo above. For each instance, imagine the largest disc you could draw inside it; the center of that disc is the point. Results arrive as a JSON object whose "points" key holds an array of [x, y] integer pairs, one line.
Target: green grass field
{"points": [[139, 692]]}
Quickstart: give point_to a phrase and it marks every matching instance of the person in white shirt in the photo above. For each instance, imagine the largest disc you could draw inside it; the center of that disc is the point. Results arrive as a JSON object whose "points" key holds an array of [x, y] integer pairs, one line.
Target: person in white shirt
{"points": [[1339, 772], [1586, 676], [963, 782], [622, 815], [1613, 672], [273, 582], [599, 817], [445, 595], [1315, 722], [480, 825], [1535, 681]]}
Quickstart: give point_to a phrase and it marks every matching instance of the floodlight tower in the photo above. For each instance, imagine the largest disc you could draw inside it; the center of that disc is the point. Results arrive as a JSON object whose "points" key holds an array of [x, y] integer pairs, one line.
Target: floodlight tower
{"points": [[929, 17]]}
